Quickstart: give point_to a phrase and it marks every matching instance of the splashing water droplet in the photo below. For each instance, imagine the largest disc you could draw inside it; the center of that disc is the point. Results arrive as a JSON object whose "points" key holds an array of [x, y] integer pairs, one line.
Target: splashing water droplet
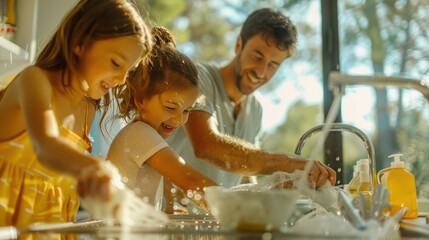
{"points": [[190, 194], [195, 211], [198, 197]]}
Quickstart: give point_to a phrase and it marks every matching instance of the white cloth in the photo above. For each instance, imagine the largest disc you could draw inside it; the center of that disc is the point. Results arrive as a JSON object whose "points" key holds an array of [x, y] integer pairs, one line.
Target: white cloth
{"points": [[246, 126], [132, 146]]}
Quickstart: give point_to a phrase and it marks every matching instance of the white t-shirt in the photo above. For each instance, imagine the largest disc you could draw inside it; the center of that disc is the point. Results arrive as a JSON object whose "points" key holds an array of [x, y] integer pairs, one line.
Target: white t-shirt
{"points": [[246, 126], [133, 145]]}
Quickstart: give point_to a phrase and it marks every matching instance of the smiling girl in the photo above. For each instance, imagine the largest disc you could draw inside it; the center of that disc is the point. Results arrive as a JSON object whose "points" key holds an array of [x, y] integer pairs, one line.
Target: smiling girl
{"points": [[46, 112], [158, 97]]}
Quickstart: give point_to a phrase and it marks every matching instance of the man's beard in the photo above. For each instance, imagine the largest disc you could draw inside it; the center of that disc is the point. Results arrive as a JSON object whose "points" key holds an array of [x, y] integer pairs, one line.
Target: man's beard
{"points": [[238, 78], [238, 70]]}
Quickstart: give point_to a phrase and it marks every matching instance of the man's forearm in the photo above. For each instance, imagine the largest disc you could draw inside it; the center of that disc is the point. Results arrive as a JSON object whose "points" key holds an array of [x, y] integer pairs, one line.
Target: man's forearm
{"points": [[238, 156]]}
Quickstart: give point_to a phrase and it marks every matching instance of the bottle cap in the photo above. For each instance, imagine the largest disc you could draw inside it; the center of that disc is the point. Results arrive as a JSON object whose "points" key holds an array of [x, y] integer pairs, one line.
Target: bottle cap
{"points": [[357, 165], [363, 165], [397, 163]]}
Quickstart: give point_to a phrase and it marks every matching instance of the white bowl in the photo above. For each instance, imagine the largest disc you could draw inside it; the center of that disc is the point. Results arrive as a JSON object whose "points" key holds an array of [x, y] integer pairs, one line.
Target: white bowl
{"points": [[251, 210]]}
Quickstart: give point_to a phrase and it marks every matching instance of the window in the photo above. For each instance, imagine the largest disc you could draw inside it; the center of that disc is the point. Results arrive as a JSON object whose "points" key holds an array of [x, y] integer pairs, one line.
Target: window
{"points": [[389, 38]]}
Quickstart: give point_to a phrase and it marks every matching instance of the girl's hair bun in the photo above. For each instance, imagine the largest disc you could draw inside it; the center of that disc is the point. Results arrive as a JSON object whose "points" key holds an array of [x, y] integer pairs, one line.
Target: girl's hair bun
{"points": [[162, 37]]}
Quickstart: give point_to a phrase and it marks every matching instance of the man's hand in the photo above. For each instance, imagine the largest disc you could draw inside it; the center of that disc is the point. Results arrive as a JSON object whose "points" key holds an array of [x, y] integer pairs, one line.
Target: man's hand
{"points": [[320, 173]]}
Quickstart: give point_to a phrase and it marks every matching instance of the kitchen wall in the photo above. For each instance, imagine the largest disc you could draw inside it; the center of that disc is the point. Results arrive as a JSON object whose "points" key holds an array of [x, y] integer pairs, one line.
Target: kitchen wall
{"points": [[50, 14]]}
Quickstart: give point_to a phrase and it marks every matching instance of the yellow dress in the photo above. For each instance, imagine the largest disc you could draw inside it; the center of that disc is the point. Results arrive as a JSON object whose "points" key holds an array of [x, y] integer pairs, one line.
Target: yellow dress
{"points": [[30, 192]]}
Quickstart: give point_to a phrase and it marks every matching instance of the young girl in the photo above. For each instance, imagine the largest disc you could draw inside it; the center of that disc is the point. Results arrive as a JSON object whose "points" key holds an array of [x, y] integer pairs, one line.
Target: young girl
{"points": [[157, 97], [47, 109]]}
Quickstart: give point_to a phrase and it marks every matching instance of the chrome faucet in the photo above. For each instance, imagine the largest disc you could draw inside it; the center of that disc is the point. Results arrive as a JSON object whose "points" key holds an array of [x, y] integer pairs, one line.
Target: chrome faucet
{"points": [[338, 81], [338, 127]]}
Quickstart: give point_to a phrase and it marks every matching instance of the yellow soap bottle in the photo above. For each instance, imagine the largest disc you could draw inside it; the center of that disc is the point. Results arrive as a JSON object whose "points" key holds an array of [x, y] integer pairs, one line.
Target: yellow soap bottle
{"points": [[354, 183], [364, 183], [401, 185]]}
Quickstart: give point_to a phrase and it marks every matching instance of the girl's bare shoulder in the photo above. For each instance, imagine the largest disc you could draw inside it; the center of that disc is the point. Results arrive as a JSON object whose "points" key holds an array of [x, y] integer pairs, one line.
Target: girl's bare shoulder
{"points": [[34, 78], [33, 72]]}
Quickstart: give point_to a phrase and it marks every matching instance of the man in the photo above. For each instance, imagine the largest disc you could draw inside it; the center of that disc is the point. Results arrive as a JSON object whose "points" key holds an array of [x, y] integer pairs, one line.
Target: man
{"points": [[220, 137]]}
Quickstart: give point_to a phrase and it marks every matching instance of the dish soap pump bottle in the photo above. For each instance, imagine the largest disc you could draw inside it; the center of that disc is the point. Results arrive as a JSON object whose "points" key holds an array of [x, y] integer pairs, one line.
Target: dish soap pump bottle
{"points": [[364, 183], [354, 183], [401, 185]]}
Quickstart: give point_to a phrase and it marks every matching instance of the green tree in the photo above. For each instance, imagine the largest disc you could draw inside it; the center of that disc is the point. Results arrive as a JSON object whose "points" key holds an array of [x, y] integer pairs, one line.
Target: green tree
{"points": [[395, 38], [298, 119]]}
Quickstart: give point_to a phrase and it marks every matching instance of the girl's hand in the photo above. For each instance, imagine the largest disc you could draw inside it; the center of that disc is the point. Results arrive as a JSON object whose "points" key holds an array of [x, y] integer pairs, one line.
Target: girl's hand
{"points": [[95, 182]]}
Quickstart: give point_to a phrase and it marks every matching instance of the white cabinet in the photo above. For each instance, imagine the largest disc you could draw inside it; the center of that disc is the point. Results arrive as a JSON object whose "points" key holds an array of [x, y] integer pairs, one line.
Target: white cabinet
{"points": [[36, 21], [14, 56]]}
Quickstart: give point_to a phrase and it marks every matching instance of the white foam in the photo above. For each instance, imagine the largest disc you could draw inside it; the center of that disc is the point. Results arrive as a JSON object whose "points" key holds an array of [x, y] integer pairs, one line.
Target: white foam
{"points": [[234, 208], [124, 206]]}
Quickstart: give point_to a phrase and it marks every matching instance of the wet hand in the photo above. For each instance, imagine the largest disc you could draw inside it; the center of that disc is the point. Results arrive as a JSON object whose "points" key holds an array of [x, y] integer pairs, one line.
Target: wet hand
{"points": [[320, 173], [94, 182]]}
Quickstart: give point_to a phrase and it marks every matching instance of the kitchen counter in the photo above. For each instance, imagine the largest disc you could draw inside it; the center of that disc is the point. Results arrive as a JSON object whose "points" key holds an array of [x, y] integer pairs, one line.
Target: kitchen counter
{"points": [[180, 227]]}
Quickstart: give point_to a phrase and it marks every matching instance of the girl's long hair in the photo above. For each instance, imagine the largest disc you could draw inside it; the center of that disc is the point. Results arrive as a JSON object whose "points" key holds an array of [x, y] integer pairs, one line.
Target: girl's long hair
{"points": [[89, 21]]}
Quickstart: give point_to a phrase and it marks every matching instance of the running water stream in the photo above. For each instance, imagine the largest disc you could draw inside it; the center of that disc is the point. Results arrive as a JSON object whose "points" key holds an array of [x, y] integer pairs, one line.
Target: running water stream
{"points": [[332, 114]]}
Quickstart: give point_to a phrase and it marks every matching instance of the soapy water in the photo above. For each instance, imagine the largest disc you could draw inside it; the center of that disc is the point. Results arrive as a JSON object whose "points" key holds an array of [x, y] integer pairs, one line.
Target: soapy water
{"points": [[327, 218], [124, 207], [326, 196], [250, 210], [130, 210]]}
